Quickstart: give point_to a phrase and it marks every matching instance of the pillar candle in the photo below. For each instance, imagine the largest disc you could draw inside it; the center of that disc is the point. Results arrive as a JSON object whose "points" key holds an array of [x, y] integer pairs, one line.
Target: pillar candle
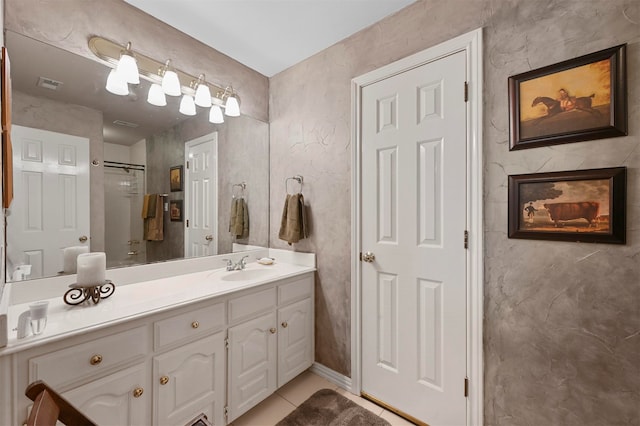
{"points": [[91, 268], [70, 255]]}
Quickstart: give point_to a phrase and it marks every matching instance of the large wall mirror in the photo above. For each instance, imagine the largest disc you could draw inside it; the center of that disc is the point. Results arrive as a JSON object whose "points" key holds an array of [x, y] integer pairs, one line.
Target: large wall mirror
{"points": [[84, 160]]}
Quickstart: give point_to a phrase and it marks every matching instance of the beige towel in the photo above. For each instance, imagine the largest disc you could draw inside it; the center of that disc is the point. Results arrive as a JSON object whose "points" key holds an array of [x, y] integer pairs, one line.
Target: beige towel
{"points": [[293, 223], [154, 226], [149, 206], [245, 219], [239, 218]]}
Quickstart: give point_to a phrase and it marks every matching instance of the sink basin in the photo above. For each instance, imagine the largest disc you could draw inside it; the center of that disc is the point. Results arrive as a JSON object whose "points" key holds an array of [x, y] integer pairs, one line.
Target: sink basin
{"points": [[247, 275]]}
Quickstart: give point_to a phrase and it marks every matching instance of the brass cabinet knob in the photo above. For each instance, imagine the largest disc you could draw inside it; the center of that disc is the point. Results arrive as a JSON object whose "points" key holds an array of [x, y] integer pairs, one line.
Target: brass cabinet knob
{"points": [[83, 239], [137, 392], [272, 330], [95, 360], [164, 380], [284, 324], [195, 324]]}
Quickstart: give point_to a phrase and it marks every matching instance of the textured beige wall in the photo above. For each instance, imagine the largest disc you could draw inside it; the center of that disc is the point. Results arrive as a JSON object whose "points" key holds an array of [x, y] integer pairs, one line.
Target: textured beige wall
{"points": [[561, 341]]}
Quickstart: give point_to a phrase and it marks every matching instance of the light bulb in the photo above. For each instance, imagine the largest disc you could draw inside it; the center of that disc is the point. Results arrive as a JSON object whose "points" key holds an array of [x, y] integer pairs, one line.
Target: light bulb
{"points": [[171, 83], [187, 106], [215, 115], [156, 95], [232, 108], [116, 85], [127, 67], [203, 96]]}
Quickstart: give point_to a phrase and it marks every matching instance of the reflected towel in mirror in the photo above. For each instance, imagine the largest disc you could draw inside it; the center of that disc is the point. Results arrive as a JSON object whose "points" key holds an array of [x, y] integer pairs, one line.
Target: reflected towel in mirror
{"points": [[154, 225]]}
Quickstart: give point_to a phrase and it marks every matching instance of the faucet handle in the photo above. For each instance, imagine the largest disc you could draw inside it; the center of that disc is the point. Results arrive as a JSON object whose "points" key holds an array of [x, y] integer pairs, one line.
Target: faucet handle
{"points": [[229, 262]]}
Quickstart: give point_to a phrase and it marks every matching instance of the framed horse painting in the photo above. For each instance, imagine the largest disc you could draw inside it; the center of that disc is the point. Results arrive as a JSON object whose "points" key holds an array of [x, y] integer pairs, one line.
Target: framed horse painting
{"points": [[581, 99]]}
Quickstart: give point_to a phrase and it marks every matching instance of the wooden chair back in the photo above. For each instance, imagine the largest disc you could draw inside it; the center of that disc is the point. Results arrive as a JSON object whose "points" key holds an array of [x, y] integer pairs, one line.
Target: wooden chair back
{"points": [[49, 407]]}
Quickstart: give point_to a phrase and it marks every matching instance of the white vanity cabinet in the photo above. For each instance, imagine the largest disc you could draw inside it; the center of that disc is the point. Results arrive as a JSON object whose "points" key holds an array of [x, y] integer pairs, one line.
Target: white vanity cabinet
{"points": [[272, 347], [190, 380], [219, 355]]}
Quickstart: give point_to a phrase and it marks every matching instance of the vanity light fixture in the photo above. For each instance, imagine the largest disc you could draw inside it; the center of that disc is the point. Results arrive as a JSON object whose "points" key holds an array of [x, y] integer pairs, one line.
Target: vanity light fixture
{"points": [[166, 80], [170, 81], [127, 67], [187, 105], [215, 115], [203, 94], [116, 85], [156, 95]]}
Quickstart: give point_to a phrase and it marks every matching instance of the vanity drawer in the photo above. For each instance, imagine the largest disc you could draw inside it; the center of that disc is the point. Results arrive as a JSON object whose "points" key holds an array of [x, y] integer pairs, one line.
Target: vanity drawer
{"points": [[255, 303], [89, 359], [295, 290], [185, 327]]}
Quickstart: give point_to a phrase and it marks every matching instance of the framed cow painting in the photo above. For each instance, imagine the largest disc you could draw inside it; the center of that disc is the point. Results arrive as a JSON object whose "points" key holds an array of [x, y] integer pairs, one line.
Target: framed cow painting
{"points": [[580, 206], [580, 99]]}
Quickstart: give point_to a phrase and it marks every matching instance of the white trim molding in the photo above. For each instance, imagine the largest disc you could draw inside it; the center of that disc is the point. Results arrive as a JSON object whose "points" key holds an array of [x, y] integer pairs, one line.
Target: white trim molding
{"points": [[471, 43], [333, 376]]}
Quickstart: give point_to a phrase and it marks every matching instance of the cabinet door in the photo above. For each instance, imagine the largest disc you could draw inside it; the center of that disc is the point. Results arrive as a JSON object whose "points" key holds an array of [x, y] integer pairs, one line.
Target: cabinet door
{"points": [[295, 340], [189, 381], [252, 363], [122, 398]]}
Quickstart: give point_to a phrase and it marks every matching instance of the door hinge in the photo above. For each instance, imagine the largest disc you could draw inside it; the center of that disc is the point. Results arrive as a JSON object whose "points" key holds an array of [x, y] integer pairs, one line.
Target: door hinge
{"points": [[226, 412], [360, 256], [187, 223], [466, 239], [226, 343], [466, 387], [466, 91], [187, 165]]}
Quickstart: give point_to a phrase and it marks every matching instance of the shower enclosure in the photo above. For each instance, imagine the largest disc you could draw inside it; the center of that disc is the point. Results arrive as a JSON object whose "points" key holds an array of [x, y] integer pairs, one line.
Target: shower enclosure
{"points": [[124, 188]]}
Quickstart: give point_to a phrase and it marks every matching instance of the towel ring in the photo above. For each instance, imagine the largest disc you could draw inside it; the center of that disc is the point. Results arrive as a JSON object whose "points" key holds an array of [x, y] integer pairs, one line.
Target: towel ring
{"points": [[297, 178], [242, 185]]}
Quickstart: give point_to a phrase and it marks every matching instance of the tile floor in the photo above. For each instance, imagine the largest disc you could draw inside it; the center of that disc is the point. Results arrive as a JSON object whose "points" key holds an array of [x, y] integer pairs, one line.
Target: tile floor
{"points": [[286, 399]]}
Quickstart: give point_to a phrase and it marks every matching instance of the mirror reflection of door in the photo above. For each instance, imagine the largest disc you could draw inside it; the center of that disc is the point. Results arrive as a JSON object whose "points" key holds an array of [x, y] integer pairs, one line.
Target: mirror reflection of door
{"points": [[51, 209], [201, 196]]}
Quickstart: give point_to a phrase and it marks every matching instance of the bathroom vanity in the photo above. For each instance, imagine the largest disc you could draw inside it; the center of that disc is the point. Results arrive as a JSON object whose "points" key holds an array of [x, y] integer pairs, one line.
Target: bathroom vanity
{"points": [[163, 351]]}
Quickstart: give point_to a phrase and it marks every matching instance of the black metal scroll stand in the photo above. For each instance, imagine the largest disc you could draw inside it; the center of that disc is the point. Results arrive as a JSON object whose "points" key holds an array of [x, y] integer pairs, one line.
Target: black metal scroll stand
{"points": [[80, 293]]}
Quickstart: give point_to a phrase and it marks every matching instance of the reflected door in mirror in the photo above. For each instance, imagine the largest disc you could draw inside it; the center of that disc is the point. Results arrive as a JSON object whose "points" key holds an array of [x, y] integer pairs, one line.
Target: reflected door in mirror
{"points": [[201, 196], [51, 206]]}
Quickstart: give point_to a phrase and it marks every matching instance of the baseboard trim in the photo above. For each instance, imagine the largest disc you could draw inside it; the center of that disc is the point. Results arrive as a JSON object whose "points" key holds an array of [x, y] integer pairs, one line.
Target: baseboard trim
{"points": [[333, 376]]}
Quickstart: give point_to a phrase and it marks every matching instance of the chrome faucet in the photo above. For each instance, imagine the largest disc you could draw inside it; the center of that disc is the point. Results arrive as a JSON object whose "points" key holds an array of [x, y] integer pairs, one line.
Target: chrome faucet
{"points": [[236, 266]]}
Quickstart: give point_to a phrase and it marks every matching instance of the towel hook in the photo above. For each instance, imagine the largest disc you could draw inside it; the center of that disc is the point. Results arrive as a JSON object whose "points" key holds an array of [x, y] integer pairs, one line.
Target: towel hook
{"points": [[297, 178]]}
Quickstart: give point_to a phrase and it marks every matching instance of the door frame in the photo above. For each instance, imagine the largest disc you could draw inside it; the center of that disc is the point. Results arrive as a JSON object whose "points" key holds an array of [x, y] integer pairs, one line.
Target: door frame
{"points": [[187, 191], [471, 44]]}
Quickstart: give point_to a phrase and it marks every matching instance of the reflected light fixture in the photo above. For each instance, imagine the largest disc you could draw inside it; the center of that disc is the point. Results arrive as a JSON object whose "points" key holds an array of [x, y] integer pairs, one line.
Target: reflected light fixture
{"points": [[215, 115], [203, 94], [170, 81], [130, 67], [187, 105], [116, 85], [127, 67], [156, 95]]}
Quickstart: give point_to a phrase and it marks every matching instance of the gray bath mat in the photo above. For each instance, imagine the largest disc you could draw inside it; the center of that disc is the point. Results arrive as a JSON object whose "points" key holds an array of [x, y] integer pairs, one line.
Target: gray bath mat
{"points": [[329, 408]]}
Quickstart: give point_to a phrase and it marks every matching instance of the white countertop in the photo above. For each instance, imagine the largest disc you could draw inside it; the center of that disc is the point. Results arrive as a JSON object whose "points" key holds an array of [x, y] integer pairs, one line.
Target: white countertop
{"points": [[144, 298]]}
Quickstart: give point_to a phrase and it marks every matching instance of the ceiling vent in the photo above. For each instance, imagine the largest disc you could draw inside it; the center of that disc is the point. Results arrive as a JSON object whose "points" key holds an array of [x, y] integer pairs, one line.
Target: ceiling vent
{"points": [[48, 83], [126, 124]]}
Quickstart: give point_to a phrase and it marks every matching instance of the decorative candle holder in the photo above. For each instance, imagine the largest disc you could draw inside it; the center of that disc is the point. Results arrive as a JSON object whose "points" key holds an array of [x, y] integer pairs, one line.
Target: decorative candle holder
{"points": [[80, 293]]}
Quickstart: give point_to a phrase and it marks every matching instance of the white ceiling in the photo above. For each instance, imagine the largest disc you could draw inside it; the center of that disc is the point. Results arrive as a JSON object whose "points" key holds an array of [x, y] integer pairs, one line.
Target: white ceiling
{"points": [[269, 35]]}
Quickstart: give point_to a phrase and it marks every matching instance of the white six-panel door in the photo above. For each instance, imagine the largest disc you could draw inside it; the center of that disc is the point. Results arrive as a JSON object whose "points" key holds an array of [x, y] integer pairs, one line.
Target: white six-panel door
{"points": [[201, 196], [413, 220], [50, 210]]}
